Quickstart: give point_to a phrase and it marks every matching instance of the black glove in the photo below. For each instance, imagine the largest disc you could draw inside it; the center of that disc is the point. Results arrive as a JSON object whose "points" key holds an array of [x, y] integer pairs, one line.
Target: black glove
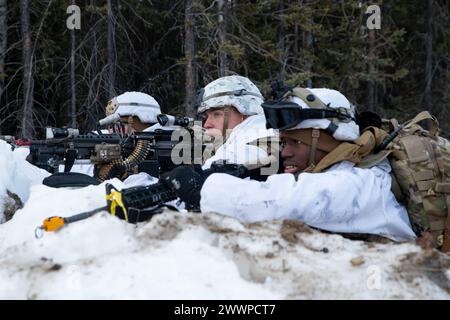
{"points": [[186, 183], [236, 170]]}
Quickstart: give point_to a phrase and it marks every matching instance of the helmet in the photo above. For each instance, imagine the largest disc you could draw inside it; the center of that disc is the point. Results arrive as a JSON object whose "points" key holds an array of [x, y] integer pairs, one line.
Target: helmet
{"points": [[346, 130], [133, 103], [235, 91], [325, 109]]}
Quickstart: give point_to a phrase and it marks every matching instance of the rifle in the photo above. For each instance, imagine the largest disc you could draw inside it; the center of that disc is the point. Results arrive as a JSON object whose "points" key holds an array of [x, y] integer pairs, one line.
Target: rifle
{"points": [[162, 143], [139, 204], [112, 154], [50, 153], [134, 200]]}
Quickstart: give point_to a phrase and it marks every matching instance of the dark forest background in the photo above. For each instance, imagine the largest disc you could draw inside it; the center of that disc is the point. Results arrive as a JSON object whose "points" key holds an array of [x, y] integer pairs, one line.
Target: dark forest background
{"points": [[50, 75]]}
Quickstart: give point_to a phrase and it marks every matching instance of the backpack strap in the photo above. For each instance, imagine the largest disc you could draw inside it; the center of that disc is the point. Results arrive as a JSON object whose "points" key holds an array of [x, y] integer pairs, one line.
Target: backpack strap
{"points": [[446, 243], [425, 115], [353, 151]]}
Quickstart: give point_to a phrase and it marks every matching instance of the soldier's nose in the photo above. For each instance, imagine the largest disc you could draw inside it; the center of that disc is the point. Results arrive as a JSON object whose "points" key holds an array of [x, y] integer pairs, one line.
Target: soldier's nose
{"points": [[208, 124], [286, 152]]}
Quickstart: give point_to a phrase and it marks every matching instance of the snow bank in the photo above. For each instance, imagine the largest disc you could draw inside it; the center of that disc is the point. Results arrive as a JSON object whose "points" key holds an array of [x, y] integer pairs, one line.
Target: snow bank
{"points": [[199, 256], [104, 257], [17, 175]]}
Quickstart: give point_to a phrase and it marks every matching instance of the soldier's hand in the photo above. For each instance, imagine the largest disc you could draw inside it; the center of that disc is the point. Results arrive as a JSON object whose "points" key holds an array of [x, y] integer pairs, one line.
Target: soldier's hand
{"points": [[186, 183]]}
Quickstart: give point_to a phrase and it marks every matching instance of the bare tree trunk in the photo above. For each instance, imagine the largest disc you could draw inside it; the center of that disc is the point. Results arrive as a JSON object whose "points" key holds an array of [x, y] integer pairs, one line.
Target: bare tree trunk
{"points": [[3, 42], [281, 43], [189, 52], [309, 45], [429, 58], [111, 47], [295, 45], [370, 84], [308, 64], [223, 22], [26, 116], [73, 91], [92, 97]]}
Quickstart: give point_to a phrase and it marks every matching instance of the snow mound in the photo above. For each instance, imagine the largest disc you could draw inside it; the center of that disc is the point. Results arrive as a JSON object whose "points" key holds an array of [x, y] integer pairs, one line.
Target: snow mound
{"points": [[200, 256], [17, 175], [106, 258]]}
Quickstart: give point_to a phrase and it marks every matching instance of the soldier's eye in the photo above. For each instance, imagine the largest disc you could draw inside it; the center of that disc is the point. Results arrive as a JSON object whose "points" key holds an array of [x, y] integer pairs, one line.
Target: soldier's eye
{"points": [[290, 142]]}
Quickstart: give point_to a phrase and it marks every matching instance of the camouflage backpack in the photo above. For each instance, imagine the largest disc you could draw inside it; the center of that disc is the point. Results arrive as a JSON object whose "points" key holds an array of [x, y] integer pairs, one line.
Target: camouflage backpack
{"points": [[420, 161]]}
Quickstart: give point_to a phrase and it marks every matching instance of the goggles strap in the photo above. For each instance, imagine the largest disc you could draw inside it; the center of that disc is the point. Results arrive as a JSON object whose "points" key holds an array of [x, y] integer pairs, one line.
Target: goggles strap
{"points": [[335, 116], [314, 102], [308, 97]]}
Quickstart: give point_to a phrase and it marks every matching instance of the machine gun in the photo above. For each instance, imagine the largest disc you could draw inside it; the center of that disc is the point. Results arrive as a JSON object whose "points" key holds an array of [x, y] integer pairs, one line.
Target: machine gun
{"points": [[154, 150], [139, 204], [56, 150], [115, 155]]}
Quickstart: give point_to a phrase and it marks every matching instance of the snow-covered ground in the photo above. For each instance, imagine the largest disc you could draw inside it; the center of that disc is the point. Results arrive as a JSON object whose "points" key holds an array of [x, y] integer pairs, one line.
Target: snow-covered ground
{"points": [[194, 256]]}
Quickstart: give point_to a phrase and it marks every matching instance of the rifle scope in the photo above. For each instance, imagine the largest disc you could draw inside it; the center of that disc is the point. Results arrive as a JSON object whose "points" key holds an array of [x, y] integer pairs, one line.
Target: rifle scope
{"points": [[57, 133], [168, 120]]}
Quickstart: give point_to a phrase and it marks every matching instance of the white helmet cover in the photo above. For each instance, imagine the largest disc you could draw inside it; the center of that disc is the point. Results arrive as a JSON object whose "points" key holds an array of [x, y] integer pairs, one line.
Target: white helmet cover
{"points": [[236, 91], [346, 131], [133, 103]]}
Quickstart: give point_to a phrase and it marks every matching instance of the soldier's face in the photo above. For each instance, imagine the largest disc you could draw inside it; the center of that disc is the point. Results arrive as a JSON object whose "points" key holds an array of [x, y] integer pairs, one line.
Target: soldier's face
{"points": [[215, 120], [124, 128], [295, 155], [121, 127]]}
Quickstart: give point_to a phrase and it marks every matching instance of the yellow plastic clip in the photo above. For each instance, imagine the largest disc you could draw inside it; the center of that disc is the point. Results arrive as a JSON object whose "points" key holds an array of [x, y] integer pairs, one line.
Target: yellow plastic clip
{"points": [[115, 200]]}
